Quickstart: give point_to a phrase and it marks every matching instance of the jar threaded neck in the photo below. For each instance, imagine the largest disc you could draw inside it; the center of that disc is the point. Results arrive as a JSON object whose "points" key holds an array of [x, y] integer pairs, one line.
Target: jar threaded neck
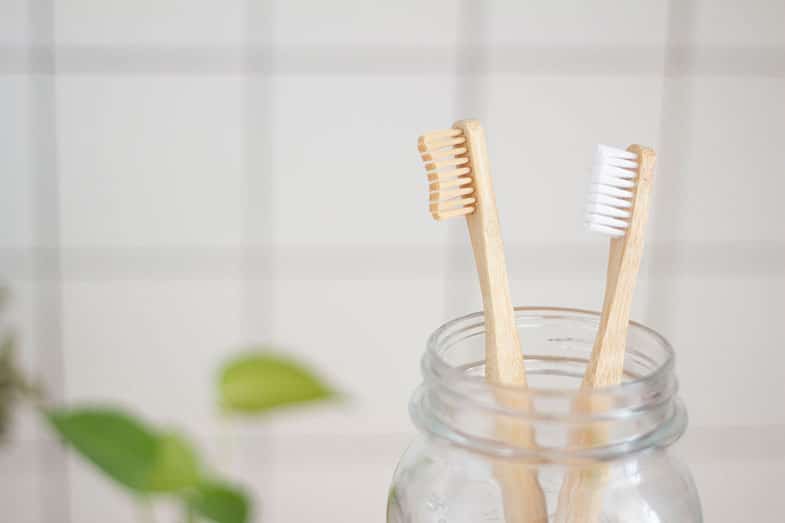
{"points": [[455, 403]]}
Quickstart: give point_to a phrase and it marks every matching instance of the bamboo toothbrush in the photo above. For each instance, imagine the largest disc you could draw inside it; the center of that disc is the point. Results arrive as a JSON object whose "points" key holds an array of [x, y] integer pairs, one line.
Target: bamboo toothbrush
{"points": [[618, 207], [460, 185]]}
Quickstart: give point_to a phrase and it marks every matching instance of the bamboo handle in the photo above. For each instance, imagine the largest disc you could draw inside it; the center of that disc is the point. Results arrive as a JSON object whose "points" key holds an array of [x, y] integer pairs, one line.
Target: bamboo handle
{"points": [[580, 499], [504, 359], [524, 501]]}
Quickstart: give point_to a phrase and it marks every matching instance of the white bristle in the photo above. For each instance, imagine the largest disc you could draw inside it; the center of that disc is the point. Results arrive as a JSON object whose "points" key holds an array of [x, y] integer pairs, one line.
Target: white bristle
{"points": [[610, 197]]}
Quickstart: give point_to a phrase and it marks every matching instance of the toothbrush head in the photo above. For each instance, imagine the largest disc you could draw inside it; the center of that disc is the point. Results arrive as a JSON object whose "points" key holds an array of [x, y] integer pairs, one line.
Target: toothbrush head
{"points": [[611, 194], [447, 163]]}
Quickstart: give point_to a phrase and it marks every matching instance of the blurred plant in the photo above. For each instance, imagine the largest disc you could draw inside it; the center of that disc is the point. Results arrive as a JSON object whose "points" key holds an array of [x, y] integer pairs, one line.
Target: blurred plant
{"points": [[7, 378], [13, 385], [150, 462], [262, 380]]}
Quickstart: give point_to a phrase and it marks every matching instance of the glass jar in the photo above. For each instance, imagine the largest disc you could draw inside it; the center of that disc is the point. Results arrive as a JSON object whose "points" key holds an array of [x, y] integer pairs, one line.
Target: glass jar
{"points": [[463, 466]]}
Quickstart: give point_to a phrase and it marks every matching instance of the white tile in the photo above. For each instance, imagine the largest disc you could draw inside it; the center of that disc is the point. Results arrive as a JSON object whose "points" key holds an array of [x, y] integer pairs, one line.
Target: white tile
{"points": [[542, 132], [577, 23], [549, 291], [345, 159], [742, 491], [14, 23], [16, 221], [576, 294], [366, 337], [152, 346], [723, 170], [359, 261], [93, 498], [545, 292], [280, 470], [354, 22], [328, 493], [150, 22], [730, 23], [20, 481], [151, 161], [711, 444], [727, 333]]}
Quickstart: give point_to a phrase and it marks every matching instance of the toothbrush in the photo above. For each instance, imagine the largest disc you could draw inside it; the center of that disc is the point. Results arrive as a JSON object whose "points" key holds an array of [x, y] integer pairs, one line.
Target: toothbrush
{"points": [[618, 207], [460, 185]]}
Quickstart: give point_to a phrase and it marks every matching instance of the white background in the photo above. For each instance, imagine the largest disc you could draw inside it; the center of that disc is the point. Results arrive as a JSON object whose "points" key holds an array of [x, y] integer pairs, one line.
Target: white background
{"points": [[180, 179]]}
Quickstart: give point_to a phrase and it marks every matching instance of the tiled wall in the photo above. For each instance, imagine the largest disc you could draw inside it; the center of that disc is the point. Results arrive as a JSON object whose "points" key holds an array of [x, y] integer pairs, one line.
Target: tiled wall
{"points": [[179, 179]]}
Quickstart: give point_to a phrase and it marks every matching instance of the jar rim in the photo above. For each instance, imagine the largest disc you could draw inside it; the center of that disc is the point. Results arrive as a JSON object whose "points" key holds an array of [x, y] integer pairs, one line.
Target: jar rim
{"points": [[456, 403], [435, 366]]}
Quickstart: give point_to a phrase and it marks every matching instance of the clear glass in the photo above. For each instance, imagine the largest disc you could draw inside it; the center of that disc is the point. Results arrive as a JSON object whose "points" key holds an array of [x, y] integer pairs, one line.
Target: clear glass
{"points": [[616, 440]]}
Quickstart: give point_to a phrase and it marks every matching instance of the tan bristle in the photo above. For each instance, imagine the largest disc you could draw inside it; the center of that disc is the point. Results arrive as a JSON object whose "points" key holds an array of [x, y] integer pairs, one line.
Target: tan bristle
{"points": [[446, 142], [432, 140], [451, 214], [456, 182], [449, 205], [447, 175], [433, 145], [445, 195], [442, 132], [448, 169], [444, 153], [452, 162]]}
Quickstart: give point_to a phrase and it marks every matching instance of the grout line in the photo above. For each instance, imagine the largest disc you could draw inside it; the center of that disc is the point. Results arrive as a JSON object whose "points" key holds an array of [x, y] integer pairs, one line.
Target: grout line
{"points": [[338, 60], [701, 444], [471, 63], [727, 61], [258, 275], [48, 308], [648, 262], [258, 250], [675, 128], [388, 261]]}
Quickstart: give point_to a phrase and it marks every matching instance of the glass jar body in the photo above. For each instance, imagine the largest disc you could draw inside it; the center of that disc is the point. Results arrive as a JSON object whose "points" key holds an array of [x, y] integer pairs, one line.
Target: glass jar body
{"points": [[551, 452], [438, 482]]}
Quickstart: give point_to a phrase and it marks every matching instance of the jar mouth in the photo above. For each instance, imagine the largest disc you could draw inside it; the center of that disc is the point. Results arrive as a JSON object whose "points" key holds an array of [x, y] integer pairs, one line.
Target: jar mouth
{"points": [[436, 366], [455, 402]]}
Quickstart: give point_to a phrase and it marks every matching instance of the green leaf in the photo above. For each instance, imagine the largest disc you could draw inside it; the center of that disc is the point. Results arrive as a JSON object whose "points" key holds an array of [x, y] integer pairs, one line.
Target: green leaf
{"points": [[261, 381], [219, 502], [126, 450], [175, 467]]}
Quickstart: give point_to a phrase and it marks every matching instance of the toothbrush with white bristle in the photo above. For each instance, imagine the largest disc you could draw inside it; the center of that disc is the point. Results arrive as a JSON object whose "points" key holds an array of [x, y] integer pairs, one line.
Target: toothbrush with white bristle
{"points": [[618, 207]]}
